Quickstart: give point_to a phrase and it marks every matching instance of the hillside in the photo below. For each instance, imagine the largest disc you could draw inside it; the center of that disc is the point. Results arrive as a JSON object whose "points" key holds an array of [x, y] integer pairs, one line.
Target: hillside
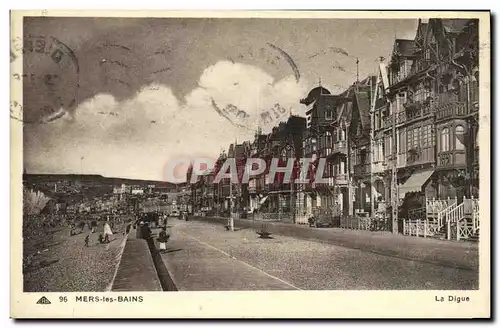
{"points": [[95, 180]]}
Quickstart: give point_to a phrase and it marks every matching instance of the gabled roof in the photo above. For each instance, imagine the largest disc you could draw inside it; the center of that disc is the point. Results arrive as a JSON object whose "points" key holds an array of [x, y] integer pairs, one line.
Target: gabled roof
{"points": [[404, 47], [384, 76], [237, 151], [454, 25], [363, 102], [421, 30]]}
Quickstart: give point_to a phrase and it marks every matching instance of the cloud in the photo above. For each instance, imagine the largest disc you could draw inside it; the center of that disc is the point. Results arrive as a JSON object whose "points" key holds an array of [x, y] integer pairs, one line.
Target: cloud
{"points": [[136, 137]]}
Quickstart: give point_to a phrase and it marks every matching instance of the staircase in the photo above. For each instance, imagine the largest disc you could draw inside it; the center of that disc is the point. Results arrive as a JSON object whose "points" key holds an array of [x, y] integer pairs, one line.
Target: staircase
{"points": [[445, 219]]}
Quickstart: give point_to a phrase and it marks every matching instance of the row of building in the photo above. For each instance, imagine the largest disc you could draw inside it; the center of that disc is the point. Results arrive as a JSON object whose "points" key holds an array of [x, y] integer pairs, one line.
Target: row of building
{"points": [[395, 138]]}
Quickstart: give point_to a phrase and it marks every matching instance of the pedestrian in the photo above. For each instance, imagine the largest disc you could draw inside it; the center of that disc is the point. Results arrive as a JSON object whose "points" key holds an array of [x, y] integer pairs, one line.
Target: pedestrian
{"points": [[162, 239], [87, 240], [101, 238], [82, 226]]}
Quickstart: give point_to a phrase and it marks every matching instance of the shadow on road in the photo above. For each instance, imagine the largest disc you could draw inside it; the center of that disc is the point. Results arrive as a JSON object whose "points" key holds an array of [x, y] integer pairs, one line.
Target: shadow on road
{"points": [[172, 250]]}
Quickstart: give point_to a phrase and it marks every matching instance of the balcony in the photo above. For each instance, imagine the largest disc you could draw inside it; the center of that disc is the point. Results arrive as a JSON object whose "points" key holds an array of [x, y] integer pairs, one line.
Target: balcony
{"points": [[451, 159], [379, 167], [423, 64], [414, 110], [340, 147], [341, 179], [417, 156], [475, 96], [401, 161], [362, 169], [396, 78], [448, 105], [326, 151], [476, 156], [252, 188], [387, 121]]}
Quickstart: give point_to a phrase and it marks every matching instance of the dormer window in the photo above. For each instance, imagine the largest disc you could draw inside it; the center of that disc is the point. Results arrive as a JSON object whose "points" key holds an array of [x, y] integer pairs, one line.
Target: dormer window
{"points": [[328, 114], [380, 92]]}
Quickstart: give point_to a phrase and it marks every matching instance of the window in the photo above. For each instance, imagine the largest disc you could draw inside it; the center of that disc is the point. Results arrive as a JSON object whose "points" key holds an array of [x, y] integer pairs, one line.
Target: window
{"points": [[401, 142], [459, 138], [388, 145], [328, 139], [328, 114], [427, 140], [413, 138], [342, 167], [416, 137], [362, 157], [409, 136], [445, 139], [380, 151], [341, 135]]}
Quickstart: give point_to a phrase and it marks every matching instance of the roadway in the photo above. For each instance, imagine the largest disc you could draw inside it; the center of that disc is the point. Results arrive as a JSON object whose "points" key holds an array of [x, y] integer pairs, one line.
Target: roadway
{"points": [[202, 256]]}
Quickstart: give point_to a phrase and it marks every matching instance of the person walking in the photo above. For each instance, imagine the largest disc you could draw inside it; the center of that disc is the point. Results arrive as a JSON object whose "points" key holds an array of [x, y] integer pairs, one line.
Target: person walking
{"points": [[87, 240], [162, 239]]}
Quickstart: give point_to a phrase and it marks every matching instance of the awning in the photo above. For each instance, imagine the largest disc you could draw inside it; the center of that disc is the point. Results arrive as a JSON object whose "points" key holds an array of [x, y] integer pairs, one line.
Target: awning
{"points": [[415, 182]]}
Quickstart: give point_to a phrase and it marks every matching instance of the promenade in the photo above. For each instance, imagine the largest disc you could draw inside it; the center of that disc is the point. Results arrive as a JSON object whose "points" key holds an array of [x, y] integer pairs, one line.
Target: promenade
{"points": [[202, 255]]}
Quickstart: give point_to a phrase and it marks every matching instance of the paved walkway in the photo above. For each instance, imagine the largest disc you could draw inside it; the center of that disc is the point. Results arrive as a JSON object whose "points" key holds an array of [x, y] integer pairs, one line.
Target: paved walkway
{"points": [[463, 255], [196, 265], [136, 271], [204, 256]]}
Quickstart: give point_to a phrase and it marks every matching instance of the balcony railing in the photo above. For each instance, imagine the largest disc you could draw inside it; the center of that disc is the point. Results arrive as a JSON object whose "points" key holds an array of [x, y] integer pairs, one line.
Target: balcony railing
{"points": [[449, 105], [340, 146], [387, 121], [379, 167], [451, 158], [420, 156], [361, 169], [326, 151], [475, 96], [396, 78], [444, 159], [423, 64], [413, 110], [341, 179]]}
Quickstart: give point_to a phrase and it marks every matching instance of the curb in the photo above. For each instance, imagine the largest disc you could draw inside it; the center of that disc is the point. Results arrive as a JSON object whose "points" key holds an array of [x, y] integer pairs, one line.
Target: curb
{"points": [[166, 281], [120, 254]]}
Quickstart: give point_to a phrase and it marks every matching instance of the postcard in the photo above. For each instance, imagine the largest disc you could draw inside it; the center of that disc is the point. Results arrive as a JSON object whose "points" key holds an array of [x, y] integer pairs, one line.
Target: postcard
{"points": [[250, 164]]}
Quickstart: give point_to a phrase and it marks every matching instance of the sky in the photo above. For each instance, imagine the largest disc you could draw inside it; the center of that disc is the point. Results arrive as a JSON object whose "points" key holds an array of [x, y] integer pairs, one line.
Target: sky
{"points": [[131, 95]]}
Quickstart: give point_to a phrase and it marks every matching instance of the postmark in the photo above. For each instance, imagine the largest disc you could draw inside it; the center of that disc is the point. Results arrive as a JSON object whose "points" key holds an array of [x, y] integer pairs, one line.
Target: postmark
{"points": [[122, 70], [49, 78], [270, 58]]}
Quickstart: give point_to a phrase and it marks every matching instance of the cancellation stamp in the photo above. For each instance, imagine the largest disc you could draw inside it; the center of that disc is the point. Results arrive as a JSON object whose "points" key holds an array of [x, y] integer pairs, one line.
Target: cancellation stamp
{"points": [[263, 112], [50, 79]]}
